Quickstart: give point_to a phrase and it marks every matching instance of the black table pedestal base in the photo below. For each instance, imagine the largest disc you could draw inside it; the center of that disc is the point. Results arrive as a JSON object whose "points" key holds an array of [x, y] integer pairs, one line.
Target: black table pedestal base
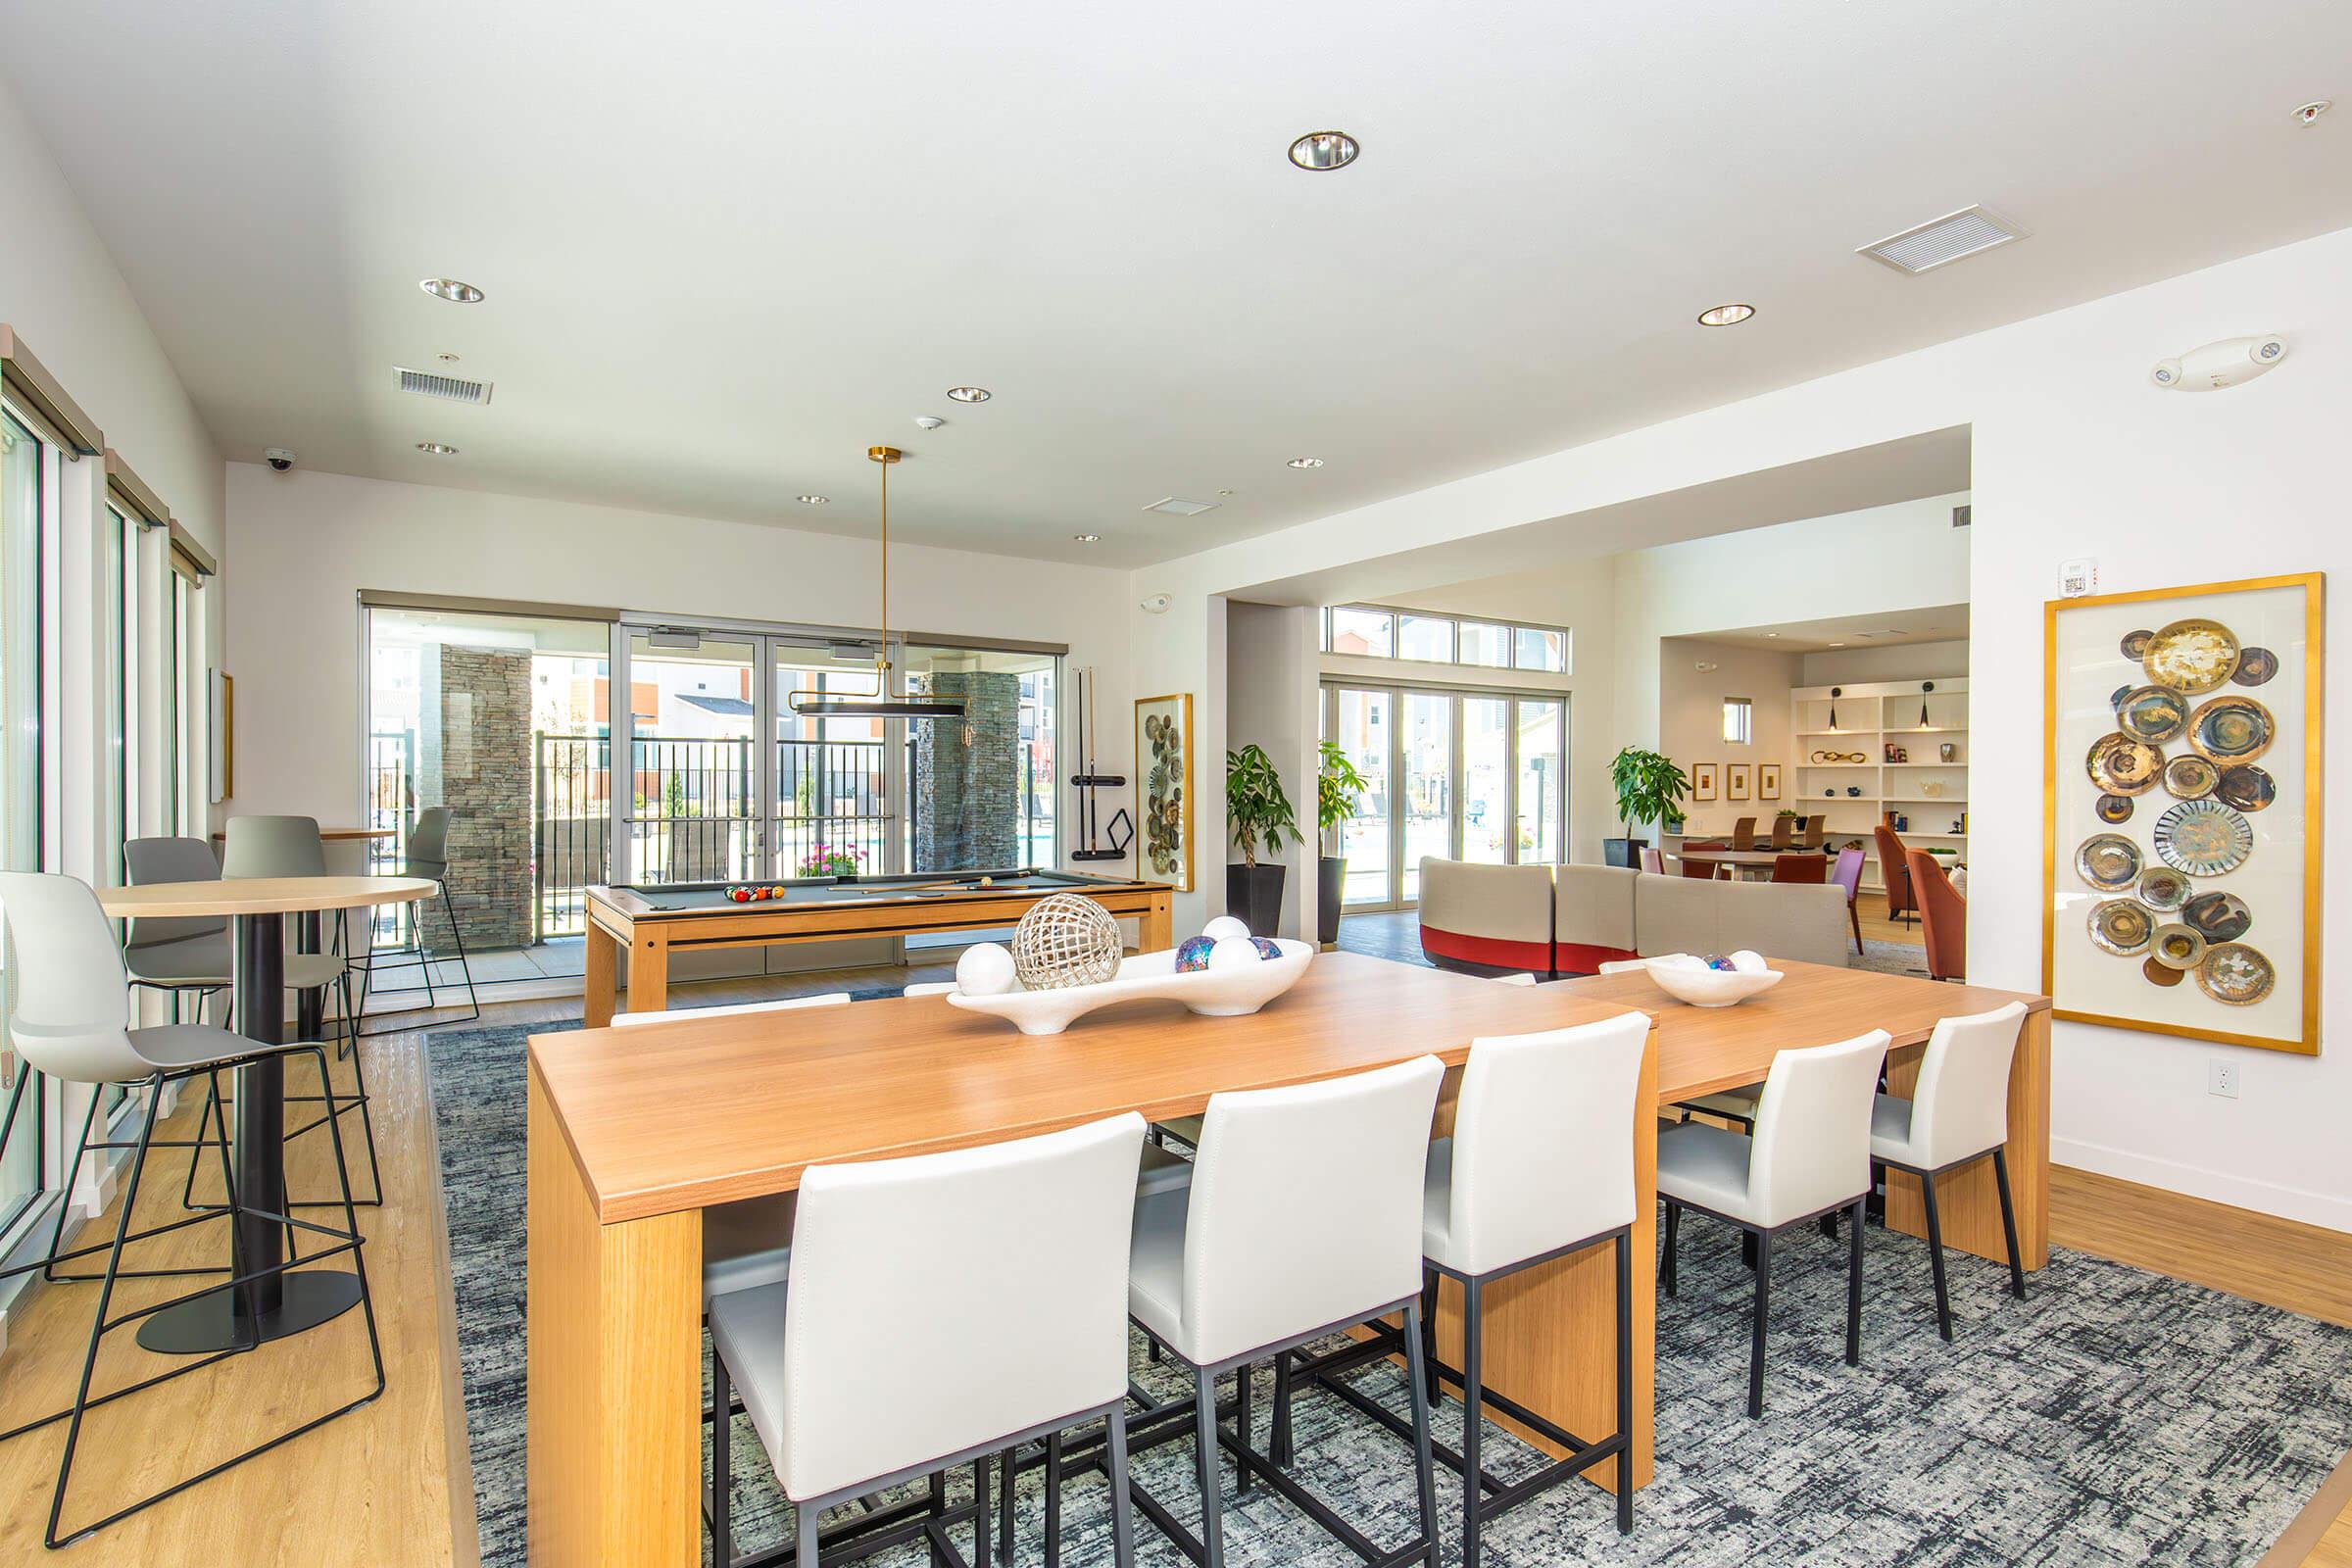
{"points": [[211, 1322]]}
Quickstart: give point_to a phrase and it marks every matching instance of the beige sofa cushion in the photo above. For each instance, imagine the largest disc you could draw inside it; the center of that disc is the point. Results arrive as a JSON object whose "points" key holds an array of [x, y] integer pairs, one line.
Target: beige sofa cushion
{"points": [[1593, 914], [1779, 919], [1493, 915]]}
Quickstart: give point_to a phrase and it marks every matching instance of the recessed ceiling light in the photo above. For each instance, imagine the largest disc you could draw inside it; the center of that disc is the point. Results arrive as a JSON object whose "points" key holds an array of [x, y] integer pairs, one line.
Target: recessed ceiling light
{"points": [[1088, 538], [1837, 645], [436, 449], [970, 394], [1772, 634], [1726, 315], [449, 289], [2313, 109], [1307, 463], [815, 501], [1322, 151]]}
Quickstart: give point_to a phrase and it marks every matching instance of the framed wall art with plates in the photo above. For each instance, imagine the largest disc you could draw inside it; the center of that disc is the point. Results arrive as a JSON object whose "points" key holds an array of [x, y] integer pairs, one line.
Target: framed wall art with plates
{"points": [[2180, 842]]}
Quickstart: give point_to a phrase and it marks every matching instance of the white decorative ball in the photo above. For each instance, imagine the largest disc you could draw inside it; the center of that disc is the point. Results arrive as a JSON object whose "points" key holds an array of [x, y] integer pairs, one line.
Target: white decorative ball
{"points": [[1749, 962], [1232, 954], [1065, 940], [1223, 926], [985, 970]]}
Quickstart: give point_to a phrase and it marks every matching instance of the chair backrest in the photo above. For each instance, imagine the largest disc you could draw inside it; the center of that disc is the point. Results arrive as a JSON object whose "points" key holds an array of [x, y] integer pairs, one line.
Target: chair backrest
{"points": [[1893, 872], [72, 1002], [273, 846], [1847, 872], [1961, 1104], [1812, 1138], [943, 1301], [1486, 914], [1743, 833], [1799, 866], [929, 987], [829, 998], [1942, 916], [1815, 826], [426, 852], [1653, 861], [1306, 1207], [1544, 1141], [1699, 870], [146, 861], [1784, 832]]}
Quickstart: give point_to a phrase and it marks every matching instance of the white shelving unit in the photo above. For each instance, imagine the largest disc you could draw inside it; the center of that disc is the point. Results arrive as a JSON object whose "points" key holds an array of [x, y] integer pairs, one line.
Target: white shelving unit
{"points": [[1872, 717]]}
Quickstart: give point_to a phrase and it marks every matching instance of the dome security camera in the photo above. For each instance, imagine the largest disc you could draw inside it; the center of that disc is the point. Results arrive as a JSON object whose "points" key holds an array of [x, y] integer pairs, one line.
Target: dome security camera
{"points": [[280, 459], [1156, 604]]}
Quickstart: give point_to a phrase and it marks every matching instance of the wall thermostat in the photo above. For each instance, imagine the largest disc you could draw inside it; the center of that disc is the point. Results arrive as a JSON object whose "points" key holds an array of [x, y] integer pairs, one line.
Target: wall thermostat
{"points": [[2078, 577]]}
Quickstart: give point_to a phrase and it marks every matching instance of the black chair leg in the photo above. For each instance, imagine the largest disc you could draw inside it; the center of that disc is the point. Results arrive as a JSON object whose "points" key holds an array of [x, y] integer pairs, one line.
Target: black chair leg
{"points": [[2017, 1266], [1674, 1225], [1429, 1328], [1242, 1426], [1424, 1462], [1005, 1502], [980, 1468], [82, 1150], [1053, 1499], [1944, 1304], [1853, 1285], [1122, 1507], [1474, 1419], [1279, 1446], [722, 1394], [457, 937], [1755, 1349], [1625, 1383], [1212, 1500]]}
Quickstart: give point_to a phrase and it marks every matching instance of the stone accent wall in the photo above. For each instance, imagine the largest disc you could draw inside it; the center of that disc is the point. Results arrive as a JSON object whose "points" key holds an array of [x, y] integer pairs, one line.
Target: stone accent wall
{"points": [[966, 795], [476, 761]]}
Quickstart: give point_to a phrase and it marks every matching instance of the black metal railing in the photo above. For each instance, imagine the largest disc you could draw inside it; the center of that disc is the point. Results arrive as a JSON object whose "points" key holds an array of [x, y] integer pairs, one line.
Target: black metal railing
{"points": [[391, 803]]}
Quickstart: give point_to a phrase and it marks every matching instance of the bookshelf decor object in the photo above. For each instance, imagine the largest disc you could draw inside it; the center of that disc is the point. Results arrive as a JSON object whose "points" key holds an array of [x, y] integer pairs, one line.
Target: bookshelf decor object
{"points": [[1862, 757]]}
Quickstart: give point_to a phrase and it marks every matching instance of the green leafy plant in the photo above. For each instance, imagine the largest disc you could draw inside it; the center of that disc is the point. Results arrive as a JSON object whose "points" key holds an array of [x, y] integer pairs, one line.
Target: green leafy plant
{"points": [[1255, 808], [1339, 787], [1647, 786]]}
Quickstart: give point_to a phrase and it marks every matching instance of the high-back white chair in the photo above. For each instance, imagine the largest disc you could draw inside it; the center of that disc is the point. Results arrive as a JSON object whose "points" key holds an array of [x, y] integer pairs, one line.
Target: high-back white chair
{"points": [[1957, 1115], [70, 1021], [929, 987], [734, 1009], [942, 1307], [1303, 1215], [1809, 1155]]}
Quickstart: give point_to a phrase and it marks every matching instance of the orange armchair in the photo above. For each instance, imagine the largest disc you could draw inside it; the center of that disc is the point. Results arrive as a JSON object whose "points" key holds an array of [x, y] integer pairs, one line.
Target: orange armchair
{"points": [[1943, 917]]}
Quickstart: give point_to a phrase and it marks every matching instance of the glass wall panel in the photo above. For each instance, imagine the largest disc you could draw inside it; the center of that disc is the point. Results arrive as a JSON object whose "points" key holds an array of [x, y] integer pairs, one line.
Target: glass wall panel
{"points": [[24, 470], [1425, 638], [1543, 649], [1364, 726], [1427, 785], [1369, 632], [1484, 643], [1486, 779], [1542, 777], [980, 790], [693, 801]]}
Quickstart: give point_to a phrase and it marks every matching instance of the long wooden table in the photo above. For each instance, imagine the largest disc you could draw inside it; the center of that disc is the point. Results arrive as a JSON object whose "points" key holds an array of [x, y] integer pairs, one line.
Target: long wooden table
{"points": [[633, 1133]]}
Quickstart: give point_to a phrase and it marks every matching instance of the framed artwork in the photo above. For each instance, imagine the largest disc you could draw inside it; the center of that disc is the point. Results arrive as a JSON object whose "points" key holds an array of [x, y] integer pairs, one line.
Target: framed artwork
{"points": [[2181, 831], [1768, 782], [1735, 781], [1163, 757], [1702, 781], [222, 763]]}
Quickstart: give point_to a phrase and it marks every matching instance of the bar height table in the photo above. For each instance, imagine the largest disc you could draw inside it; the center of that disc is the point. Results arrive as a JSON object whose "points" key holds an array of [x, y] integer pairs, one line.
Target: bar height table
{"points": [[274, 1306]]}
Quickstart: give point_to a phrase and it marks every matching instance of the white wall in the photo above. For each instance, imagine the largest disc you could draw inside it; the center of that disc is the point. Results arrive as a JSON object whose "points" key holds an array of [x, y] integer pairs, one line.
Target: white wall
{"points": [[2075, 454], [306, 543], [1691, 722], [1902, 662], [1271, 701]]}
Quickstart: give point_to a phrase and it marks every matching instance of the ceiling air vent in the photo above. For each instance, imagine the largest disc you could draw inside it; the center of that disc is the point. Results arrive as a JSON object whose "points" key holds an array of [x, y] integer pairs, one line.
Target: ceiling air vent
{"points": [[447, 388], [1948, 239], [1176, 507]]}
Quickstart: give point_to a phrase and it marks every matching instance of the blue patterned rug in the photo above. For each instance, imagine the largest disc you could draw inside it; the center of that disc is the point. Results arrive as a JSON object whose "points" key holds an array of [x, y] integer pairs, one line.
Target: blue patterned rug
{"points": [[2115, 1417]]}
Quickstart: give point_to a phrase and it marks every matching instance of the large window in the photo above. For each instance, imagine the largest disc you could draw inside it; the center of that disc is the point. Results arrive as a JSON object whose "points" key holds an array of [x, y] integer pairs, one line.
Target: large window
{"points": [[1459, 776], [28, 484], [1371, 631]]}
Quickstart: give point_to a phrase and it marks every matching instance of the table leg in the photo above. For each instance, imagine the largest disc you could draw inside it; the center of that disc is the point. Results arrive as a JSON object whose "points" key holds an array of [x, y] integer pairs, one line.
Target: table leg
{"points": [[1969, 1198], [1156, 932], [648, 972], [603, 962], [613, 1353], [309, 1004]]}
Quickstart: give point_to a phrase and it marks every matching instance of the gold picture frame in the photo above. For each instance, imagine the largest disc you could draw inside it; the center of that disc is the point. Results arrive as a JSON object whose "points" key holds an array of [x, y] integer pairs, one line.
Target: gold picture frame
{"points": [[1735, 781], [1163, 789], [1703, 782], [2113, 704], [1768, 782]]}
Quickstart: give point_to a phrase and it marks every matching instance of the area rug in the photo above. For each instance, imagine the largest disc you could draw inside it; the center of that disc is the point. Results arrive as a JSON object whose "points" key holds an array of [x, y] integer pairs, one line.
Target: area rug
{"points": [[2114, 1417]]}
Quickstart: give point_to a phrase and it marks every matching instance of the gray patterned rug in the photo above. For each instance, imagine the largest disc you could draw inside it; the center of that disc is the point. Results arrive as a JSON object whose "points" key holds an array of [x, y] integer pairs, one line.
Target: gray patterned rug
{"points": [[2114, 1417]]}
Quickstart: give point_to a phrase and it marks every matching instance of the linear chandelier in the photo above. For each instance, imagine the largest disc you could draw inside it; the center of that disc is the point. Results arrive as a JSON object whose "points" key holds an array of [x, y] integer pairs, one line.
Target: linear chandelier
{"points": [[882, 701]]}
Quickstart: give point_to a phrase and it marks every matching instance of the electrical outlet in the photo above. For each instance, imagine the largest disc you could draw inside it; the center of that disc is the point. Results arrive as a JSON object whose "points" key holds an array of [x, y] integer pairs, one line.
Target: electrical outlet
{"points": [[2221, 1078]]}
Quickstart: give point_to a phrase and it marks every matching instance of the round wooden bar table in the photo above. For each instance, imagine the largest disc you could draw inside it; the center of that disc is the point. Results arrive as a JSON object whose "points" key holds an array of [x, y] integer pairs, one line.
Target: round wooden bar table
{"points": [[273, 1306]]}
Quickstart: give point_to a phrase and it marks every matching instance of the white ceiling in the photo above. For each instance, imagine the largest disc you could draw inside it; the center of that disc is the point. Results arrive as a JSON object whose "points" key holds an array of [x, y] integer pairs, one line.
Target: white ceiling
{"points": [[728, 246], [1938, 623]]}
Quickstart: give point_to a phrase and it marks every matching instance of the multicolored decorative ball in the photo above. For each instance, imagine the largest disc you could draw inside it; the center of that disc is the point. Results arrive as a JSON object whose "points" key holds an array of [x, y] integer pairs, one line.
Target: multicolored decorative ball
{"points": [[1265, 946], [1192, 954], [1065, 940]]}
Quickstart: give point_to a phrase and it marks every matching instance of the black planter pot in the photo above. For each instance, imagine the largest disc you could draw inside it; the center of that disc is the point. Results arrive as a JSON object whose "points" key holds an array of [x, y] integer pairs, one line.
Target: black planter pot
{"points": [[1253, 896], [1622, 851], [1331, 876]]}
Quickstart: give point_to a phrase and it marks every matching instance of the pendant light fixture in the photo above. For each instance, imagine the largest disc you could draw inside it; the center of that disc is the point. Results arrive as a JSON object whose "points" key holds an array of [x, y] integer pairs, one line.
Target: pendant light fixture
{"points": [[882, 701]]}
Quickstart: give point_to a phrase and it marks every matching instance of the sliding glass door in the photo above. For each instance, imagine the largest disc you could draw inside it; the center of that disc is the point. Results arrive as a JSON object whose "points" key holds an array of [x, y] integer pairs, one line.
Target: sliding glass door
{"points": [[1452, 774]]}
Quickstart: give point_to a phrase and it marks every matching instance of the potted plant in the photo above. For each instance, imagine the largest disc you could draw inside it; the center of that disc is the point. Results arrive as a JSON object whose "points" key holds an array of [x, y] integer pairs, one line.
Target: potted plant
{"points": [[1338, 788], [1256, 813], [1647, 786]]}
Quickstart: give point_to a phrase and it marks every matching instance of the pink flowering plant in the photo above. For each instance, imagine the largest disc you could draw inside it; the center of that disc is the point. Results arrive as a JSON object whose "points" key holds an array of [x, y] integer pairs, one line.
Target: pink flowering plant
{"points": [[826, 860]]}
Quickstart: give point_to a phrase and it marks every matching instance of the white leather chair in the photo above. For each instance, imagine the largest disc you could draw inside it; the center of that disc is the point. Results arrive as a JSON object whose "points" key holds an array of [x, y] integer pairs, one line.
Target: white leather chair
{"points": [[69, 1021], [930, 988], [944, 1308], [1517, 979], [1809, 1156], [1957, 1115], [1302, 1216], [733, 1009]]}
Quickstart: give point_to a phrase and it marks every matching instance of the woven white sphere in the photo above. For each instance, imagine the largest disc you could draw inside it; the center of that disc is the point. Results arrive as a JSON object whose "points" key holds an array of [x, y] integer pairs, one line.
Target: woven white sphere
{"points": [[1065, 940]]}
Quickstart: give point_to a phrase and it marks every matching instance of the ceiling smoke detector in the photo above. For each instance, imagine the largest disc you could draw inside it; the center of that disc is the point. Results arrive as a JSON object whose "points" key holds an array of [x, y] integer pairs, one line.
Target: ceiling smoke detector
{"points": [[928, 421], [2305, 114], [1946, 239]]}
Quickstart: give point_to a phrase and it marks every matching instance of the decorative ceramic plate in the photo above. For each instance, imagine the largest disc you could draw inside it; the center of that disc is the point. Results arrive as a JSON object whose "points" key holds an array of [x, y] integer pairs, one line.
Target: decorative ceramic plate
{"points": [[2255, 665], [2191, 655], [2136, 644], [2122, 765], [2236, 975], [2115, 698], [2176, 945], [2108, 861], [2114, 808], [2246, 787], [2218, 916], [2191, 778], [2232, 729], [2121, 927], [2160, 974], [2203, 838], [2163, 889], [2154, 713]]}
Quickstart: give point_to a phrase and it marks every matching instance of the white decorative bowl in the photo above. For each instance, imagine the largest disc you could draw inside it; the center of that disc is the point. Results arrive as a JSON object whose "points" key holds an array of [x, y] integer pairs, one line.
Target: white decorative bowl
{"points": [[1226, 993], [1703, 987]]}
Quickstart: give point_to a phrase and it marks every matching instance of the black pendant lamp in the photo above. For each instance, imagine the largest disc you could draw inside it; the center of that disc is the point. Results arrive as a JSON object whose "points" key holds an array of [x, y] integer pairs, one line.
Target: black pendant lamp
{"points": [[882, 701]]}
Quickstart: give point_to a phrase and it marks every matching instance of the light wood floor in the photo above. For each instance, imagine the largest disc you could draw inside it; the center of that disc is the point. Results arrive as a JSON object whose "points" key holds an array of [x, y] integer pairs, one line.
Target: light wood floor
{"points": [[388, 1485]]}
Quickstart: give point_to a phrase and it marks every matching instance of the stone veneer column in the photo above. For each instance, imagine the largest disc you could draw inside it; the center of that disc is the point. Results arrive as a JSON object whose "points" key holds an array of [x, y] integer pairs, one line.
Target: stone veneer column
{"points": [[967, 797], [478, 762]]}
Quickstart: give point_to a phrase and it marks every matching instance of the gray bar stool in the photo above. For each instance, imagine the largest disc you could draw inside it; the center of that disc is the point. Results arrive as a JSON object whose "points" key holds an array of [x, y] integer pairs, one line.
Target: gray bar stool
{"points": [[179, 954], [425, 854]]}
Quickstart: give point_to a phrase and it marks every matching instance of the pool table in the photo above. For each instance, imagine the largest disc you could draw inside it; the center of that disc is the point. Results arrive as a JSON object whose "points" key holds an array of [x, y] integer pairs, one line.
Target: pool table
{"points": [[653, 922]]}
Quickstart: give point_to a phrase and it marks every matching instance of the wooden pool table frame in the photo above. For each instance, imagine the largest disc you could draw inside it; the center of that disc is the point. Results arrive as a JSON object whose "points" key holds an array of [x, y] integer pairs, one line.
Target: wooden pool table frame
{"points": [[619, 918]]}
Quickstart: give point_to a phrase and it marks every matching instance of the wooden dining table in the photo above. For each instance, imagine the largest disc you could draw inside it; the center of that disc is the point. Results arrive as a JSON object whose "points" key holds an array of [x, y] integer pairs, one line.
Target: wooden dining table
{"points": [[1741, 862], [634, 1132]]}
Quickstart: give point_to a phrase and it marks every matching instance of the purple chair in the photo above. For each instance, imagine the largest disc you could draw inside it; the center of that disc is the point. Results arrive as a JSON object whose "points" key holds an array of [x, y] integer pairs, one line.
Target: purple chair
{"points": [[1848, 874]]}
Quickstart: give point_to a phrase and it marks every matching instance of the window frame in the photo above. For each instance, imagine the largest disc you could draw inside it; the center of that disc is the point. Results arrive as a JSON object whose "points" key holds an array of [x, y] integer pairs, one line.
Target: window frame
{"points": [[1397, 614], [1743, 708]]}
